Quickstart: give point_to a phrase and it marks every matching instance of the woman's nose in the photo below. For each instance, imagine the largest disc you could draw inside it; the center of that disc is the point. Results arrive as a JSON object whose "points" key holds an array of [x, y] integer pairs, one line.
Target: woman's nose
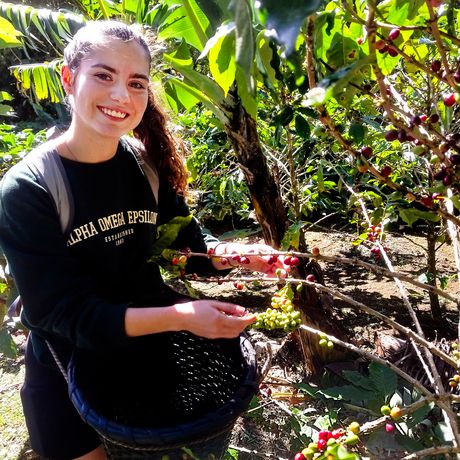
{"points": [[120, 93]]}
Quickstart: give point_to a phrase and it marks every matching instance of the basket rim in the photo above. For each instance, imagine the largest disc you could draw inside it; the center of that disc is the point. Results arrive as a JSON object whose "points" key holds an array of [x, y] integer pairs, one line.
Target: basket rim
{"points": [[210, 424]]}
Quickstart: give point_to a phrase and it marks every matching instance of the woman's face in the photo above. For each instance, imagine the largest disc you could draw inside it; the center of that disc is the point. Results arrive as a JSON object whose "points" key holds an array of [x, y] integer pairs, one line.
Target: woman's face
{"points": [[108, 92]]}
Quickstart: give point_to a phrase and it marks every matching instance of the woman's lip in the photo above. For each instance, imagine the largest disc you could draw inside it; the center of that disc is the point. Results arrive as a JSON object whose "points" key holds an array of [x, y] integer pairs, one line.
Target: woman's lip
{"points": [[113, 113]]}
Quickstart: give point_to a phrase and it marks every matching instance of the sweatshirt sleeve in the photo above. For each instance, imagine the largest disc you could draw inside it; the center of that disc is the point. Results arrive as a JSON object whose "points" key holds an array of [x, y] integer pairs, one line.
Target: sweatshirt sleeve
{"points": [[57, 294]]}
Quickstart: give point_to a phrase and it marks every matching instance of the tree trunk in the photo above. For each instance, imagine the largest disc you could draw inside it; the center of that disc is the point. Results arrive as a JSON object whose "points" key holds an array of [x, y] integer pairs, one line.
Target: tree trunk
{"points": [[263, 189], [270, 212]]}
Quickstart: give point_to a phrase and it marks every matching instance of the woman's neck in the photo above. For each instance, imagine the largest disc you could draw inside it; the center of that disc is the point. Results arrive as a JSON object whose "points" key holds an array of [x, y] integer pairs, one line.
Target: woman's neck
{"points": [[86, 148]]}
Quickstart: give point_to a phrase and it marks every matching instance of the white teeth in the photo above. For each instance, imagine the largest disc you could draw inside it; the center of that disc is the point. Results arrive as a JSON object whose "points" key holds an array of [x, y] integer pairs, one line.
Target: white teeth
{"points": [[114, 113]]}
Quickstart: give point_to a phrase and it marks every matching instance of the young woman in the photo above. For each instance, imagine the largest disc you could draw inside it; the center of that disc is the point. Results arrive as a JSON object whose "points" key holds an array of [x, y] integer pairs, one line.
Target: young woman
{"points": [[84, 289]]}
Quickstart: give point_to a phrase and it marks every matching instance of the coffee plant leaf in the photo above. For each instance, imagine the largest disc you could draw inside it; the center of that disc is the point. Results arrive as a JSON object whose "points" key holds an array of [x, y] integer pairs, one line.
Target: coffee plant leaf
{"points": [[283, 20], [408, 442], [7, 346], [419, 415], [357, 379], [167, 233], [443, 432], [411, 215], [350, 393], [292, 236], [357, 132], [383, 379], [343, 454]]}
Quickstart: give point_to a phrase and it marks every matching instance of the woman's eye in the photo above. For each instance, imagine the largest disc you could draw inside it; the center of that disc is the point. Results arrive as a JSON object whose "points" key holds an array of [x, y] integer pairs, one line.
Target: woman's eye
{"points": [[137, 85], [103, 76]]}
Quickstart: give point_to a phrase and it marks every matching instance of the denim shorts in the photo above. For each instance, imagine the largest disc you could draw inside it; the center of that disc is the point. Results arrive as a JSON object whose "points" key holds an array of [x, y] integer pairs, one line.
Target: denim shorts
{"points": [[56, 430]]}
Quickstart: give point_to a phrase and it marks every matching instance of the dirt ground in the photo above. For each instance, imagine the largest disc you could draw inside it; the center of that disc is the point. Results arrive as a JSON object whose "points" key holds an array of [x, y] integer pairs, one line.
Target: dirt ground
{"points": [[264, 436], [265, 432]]}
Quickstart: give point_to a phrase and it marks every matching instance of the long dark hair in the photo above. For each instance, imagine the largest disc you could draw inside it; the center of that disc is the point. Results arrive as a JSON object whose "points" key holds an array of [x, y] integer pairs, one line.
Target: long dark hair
{"points": [[162, 149]]}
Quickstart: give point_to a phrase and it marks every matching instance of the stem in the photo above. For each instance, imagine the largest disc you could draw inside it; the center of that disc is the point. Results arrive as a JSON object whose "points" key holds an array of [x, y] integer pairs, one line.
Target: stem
{"points": [[395, 325], [439, 44], [103, 9], [371, 357], [293, 176], [424, 453]]}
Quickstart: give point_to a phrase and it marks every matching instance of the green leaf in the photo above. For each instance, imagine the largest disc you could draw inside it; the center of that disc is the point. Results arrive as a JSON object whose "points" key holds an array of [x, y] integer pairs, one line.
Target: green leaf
{"points": [[383, 379], [419, 415], [411, 215], [456, 201], [8, 35], [215, 11], [283, 19], [357, 132], [348, 393], [302, 127], [181, 61], [167, 233], [187, 23], [240, 233], [221, 58], [244, 44], [357, 379], [6, 110], [179, 95], [5, 96], [7, 346], [443, 432], [292, 236], [408, 443], [185, 94]]}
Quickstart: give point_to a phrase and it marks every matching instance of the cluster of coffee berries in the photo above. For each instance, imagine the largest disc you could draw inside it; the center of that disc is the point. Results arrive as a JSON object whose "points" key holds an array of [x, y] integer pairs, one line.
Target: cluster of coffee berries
{"points": [[373, 232], [291, 261], [455, 351], [232, 260], [175, 261], [450, 99], [328, 443], [386, 46], [281, 315], [448, 174], [179, 260], [324, 342], [454, 381], [393, 412]]}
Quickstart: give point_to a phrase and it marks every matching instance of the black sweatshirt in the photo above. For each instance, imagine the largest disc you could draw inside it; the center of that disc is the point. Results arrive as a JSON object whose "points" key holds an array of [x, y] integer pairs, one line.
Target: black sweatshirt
{"points": [[76, 287]]}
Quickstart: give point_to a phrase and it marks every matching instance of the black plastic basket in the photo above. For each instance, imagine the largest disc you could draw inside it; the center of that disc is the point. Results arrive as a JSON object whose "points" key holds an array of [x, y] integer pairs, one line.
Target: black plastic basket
{"points": [[173, 396]]}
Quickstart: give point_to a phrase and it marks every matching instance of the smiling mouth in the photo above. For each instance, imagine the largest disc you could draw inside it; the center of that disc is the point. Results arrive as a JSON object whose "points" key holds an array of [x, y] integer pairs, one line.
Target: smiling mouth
{"points": [[113, 113]]}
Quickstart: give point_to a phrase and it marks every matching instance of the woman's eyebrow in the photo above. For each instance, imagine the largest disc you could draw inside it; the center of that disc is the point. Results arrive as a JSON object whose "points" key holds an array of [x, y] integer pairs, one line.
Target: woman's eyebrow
{"points": [[112, 70]]}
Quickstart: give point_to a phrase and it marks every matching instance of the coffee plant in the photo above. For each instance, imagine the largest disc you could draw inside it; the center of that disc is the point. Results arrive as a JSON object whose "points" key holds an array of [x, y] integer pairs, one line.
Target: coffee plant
{"points": [[347, 111]]}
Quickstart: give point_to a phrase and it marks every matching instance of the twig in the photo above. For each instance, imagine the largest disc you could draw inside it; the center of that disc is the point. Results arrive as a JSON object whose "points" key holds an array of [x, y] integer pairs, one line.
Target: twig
{"points": [[432, 451], [395, 325], [369, 427], [433, 22], [371, 357]]}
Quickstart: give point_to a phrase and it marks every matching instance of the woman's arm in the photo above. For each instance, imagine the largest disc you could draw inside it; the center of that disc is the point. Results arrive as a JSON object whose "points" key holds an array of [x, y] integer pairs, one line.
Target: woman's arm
{"points": [[206, 318]]}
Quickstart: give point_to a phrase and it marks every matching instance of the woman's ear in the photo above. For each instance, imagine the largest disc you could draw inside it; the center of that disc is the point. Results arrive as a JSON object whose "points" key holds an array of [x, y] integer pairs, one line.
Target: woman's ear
{"points": [[66, 79]]}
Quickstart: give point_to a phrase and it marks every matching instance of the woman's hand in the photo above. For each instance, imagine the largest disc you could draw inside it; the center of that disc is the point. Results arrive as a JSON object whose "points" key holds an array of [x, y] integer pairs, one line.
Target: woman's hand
{"points": [[207, 318], [264, 259], [213, 319]]}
